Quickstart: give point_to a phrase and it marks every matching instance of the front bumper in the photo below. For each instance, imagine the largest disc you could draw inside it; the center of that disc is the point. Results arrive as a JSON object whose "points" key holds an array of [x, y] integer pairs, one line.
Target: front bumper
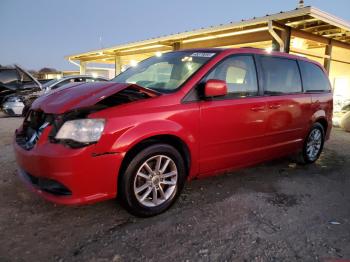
{"points": [[84, 176]]}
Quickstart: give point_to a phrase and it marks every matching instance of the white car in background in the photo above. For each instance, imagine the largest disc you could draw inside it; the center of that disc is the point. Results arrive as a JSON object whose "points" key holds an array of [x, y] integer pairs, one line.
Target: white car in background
{"points": [[341, 102], [17, 105], [342, 117]]}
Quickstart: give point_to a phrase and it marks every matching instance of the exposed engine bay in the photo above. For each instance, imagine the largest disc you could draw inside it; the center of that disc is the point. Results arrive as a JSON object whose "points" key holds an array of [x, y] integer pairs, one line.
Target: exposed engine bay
{"points": [[37, 120]]}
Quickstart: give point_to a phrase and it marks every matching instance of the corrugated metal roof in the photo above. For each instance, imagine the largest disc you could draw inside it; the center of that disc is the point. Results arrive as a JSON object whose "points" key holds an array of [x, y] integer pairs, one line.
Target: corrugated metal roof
{"points": [[300, 18]]}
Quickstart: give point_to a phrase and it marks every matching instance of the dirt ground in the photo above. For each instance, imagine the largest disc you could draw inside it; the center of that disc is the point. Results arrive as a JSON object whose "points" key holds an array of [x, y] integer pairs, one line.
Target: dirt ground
{"points": [[277, 211]]}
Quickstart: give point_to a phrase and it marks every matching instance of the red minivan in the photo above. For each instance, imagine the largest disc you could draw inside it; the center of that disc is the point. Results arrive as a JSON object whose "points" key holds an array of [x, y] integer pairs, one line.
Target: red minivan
{"points": [[178, 116]]}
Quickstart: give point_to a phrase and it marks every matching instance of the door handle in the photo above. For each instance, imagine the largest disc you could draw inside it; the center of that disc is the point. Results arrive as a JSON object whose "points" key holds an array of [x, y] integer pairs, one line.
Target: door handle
{"points": [[275, 106], [257, 108]]}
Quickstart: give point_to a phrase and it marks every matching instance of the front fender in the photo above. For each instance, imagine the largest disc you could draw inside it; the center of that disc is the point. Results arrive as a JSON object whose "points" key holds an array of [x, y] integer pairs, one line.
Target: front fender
{"points": [[150, 129], [136, 134]]}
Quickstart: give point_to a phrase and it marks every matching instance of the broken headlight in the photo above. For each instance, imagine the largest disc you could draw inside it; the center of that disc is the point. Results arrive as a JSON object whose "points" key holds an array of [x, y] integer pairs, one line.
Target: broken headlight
{"points": [[81, 130]]}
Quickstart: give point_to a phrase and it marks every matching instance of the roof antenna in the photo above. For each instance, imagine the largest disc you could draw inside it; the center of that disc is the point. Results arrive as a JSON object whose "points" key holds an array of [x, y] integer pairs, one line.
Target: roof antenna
{"points": [[301, 4]]}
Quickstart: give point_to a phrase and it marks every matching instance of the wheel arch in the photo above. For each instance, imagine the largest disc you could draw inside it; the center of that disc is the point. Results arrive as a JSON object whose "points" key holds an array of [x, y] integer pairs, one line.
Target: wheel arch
{"points": [[321, 117], [170, 139], [323, 121]]}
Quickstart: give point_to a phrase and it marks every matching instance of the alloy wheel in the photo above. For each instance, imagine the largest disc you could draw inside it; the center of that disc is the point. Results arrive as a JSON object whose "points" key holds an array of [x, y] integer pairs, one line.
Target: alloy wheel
{"points": [[155, 181], [314, 144]]}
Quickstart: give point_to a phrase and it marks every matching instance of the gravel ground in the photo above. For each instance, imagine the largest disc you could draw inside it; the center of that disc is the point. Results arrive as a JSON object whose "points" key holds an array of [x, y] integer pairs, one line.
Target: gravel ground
{"points": [[277, 211]]}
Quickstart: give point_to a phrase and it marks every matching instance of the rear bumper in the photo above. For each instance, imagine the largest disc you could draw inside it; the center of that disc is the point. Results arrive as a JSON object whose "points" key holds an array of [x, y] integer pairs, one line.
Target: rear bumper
{"points": [[68, 176]]}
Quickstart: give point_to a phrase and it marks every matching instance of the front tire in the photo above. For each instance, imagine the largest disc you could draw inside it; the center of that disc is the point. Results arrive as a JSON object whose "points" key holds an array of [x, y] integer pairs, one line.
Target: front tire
{"points": [[313, 145], [152, 181]]}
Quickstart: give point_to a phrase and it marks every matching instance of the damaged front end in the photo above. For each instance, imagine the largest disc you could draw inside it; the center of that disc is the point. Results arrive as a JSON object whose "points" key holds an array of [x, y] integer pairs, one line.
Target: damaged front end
{"points": [[74, 128]]}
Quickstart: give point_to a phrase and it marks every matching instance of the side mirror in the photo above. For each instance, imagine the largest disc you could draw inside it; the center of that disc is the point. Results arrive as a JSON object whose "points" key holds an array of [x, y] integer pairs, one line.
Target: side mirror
{"points": [[214, 88]]}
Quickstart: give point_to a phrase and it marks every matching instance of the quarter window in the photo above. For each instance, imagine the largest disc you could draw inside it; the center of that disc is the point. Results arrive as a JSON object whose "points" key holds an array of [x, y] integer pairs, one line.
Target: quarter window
{"points": [[281, 76], [240, 75], [314, 79]]}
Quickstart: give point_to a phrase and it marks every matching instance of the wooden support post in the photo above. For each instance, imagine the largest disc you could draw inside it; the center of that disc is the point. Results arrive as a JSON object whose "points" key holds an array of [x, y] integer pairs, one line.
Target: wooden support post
{"points": [[328, 52], [176, 46], [117, 65], [284, 32], [82, 67], [286, 36]]}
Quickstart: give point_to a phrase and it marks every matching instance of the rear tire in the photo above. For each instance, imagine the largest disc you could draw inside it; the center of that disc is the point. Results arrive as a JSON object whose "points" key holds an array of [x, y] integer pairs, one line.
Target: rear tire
{"points": [[313, 145], [152, 180]]}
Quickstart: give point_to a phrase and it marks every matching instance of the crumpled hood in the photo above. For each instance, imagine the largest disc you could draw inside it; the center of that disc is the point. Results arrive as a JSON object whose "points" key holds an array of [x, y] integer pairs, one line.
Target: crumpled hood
{"points": [[79, 95]]}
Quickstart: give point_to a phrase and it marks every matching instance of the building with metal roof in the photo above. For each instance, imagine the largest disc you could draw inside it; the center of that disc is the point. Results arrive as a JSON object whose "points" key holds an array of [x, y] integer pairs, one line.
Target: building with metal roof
{"points": [[305, 31]]}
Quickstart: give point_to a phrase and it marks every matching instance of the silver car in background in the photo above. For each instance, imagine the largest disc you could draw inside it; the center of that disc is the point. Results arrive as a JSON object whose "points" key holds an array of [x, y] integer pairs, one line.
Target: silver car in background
{"points": [[56, 83], [17, 105], [16, 82]]}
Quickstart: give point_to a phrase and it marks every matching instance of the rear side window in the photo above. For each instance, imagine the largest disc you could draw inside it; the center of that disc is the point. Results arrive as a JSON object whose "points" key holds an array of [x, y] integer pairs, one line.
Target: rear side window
{"points": [[314, 79], [281, 76], [239, 73]]}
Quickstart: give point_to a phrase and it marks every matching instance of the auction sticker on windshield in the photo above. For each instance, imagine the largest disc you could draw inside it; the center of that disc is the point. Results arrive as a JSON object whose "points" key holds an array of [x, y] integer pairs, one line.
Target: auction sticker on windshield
{"points": [[203, 54]]}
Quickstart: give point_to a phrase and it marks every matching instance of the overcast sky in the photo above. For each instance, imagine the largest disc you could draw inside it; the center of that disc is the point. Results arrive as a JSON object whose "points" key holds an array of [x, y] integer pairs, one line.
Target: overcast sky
{"points": [[39, 33]]}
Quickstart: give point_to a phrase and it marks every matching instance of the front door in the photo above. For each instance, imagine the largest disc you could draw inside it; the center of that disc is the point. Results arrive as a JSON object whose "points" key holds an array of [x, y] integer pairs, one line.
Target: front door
{"points": [[232, 127]]}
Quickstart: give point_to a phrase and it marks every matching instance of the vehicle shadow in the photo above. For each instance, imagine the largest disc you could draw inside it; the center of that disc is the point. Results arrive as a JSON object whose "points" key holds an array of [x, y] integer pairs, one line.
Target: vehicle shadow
{"points": [[29, 218], [262, 178]]}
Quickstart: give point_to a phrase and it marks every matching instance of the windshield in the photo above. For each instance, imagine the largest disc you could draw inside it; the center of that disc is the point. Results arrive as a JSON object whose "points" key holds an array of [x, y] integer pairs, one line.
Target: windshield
{"points": [[167, 72]]}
